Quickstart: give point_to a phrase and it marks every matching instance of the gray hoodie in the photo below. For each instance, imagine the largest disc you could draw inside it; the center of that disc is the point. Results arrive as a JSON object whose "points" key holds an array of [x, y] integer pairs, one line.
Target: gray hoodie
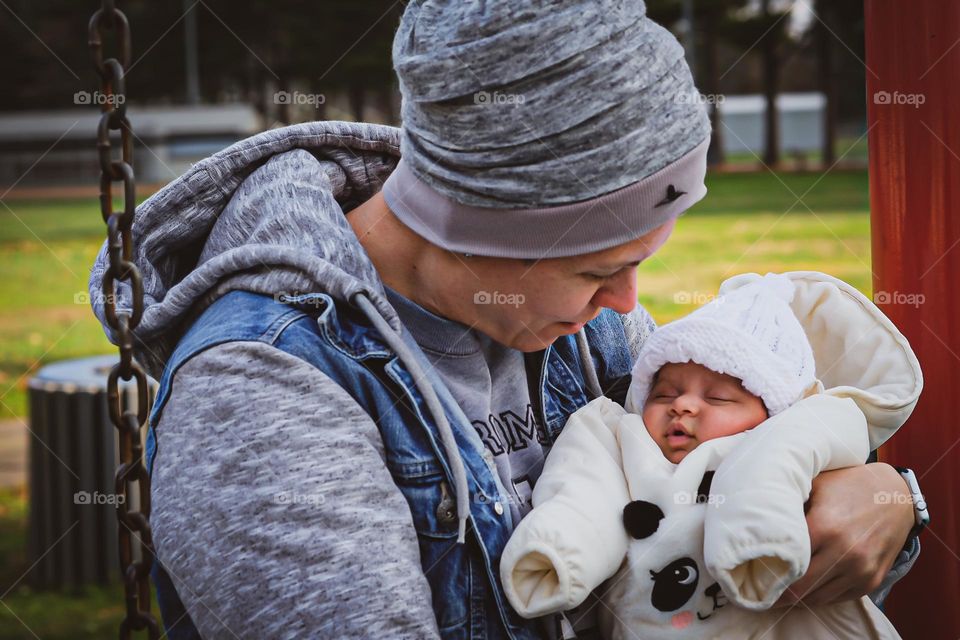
{"points": [[232, 486]]}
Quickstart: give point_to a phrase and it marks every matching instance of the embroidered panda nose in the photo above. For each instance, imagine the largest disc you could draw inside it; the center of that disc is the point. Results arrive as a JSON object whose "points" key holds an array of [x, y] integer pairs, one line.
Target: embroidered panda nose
{"points": [[641, 519]]}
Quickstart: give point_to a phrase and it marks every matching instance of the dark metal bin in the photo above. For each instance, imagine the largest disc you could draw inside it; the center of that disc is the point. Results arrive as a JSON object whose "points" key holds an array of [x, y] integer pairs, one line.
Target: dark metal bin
{"points": [[73, 455]]}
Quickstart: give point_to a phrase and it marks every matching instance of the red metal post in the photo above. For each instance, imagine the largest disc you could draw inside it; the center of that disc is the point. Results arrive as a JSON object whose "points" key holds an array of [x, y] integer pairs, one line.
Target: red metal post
{"points": [[913, 96]]}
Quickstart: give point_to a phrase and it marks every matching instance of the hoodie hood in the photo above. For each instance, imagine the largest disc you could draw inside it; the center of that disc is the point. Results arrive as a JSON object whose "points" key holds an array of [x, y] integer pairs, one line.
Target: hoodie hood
{"points": [[212, 230], [267, 215]]}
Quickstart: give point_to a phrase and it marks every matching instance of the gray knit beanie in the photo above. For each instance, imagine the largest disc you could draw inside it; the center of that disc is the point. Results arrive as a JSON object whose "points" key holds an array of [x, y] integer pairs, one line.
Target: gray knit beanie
{"points": [[536, 129]]}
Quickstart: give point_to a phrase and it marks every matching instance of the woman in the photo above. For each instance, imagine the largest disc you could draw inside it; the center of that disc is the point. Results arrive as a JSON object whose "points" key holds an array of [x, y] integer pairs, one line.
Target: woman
{"points": [[364, 360]]}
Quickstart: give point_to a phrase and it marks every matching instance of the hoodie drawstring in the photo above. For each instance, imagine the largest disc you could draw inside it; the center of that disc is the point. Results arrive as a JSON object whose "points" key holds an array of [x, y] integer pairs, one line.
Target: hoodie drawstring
{"points": [[395, 342], [589, 371]]}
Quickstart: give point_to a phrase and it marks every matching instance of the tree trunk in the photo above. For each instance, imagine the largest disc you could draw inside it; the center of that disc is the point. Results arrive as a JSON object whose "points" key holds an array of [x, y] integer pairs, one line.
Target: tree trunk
{"points": [[771, 80], [715, 155], [825, 59]]}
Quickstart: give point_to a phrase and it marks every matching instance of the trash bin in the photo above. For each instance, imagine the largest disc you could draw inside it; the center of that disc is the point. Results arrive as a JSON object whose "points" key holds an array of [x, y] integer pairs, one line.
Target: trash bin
{"points": [[73, 455]]}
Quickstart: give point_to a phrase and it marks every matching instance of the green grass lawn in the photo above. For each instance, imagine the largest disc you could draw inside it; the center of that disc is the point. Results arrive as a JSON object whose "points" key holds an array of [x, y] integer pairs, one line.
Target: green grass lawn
{"points": [[760, 223], [46, 249], [748, 222]]}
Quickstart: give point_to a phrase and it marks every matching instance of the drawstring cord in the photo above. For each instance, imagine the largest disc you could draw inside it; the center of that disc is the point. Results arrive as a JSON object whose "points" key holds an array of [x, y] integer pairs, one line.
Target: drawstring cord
{"points": [[590, 373], [395, 342]]}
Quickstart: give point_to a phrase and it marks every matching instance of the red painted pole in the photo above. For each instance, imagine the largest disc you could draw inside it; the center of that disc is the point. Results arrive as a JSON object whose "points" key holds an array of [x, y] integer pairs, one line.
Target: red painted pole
{"points": [[913, 96]]}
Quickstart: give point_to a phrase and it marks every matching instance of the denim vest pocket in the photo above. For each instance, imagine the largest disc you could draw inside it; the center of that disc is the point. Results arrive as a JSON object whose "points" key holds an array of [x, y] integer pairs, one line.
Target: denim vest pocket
{"points": [[446, 564]]}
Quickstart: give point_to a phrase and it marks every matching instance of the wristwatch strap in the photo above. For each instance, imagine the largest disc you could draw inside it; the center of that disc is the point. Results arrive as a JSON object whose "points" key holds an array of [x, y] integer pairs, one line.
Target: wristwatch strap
{"points": [[921, 515]]}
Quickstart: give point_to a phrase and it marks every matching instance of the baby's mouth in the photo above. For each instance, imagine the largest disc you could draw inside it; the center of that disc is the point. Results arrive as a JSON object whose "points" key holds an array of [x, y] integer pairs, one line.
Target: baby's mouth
{"points": [[677, 435]]}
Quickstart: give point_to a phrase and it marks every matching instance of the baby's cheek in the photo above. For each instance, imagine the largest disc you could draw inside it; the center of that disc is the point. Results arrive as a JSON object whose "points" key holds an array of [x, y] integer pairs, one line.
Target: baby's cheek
{"points": [[651, 415]]}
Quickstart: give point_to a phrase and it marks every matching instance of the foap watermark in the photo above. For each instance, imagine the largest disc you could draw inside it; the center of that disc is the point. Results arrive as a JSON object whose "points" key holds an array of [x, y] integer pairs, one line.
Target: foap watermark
{"points": [[498, 98], [896, 297], [98, 98], [498, 298], [84, 298], [690, 497], [892, 497], [912, 99], [503, 499], [694, 97], [317, 300], [97, 498], [295, 498], [694, 297], [299, 98]]}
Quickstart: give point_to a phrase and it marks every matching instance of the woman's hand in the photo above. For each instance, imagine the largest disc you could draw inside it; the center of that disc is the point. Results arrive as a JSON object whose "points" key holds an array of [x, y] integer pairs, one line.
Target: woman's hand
{"points": [[859, 519]]}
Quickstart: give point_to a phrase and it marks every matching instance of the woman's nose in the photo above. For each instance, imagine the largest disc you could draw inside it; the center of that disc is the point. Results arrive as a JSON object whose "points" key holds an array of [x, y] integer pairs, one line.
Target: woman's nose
{"points": [[618, 292]]}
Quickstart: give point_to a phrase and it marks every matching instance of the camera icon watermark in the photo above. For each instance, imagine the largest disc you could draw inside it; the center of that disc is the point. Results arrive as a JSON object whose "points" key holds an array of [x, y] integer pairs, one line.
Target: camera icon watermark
{"points": [[498, 298], [896, 297], [498, 98], [97, 98], [911, 99], [299, 98]]}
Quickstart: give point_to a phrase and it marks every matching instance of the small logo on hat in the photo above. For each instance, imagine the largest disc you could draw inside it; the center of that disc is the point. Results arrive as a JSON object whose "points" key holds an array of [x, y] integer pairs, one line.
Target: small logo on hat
{"points": [[672, 196]]}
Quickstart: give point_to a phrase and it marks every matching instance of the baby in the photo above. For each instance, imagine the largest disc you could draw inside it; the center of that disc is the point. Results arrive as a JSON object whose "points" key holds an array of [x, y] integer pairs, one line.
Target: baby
{"points": [[697, 502]]}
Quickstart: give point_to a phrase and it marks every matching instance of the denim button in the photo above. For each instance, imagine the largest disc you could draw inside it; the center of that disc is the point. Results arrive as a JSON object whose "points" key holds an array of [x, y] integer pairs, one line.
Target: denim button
{"points": [[498, 508]]}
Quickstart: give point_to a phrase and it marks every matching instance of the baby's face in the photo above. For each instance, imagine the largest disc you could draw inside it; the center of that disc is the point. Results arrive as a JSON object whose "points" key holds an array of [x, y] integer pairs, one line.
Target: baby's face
{"points": [[690, 404]]}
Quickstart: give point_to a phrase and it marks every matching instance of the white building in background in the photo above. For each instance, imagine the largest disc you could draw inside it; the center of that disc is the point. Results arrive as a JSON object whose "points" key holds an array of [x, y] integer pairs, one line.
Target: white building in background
{"points": [[59, 147], [800, 116]]}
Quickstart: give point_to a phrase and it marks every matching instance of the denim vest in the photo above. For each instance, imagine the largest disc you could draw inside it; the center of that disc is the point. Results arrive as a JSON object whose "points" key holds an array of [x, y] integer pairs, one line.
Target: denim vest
{"points": [[335, 337]]}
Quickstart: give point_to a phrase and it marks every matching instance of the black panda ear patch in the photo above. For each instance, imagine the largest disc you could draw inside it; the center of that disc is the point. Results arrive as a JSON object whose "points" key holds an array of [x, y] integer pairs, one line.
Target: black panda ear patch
{"points": [[641, 518]]}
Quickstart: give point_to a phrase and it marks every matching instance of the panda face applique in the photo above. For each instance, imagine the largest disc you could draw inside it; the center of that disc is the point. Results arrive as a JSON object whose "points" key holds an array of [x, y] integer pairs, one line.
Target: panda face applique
{"points": [[678, 591], [676, 585]]}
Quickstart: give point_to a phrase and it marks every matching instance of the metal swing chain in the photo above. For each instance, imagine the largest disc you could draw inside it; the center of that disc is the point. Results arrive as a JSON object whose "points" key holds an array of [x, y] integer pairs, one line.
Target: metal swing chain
{"points": [[135, 537]]}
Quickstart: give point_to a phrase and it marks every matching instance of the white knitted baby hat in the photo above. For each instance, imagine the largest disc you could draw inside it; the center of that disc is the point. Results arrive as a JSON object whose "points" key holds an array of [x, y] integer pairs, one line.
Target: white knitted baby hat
{"points": [[750, 333]]}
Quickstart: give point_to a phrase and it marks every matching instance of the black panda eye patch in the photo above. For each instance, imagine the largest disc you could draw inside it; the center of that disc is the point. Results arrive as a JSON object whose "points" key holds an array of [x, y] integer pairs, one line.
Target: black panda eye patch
{"points": [[641, 519], [675, 584]]}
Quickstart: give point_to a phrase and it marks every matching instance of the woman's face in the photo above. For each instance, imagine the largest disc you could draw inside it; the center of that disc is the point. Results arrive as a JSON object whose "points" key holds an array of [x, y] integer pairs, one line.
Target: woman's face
{"points": [[528, 304]]}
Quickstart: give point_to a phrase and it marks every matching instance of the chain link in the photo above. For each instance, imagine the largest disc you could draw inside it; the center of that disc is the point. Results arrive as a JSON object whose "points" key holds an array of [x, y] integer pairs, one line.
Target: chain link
{"points": [[135, 536]]}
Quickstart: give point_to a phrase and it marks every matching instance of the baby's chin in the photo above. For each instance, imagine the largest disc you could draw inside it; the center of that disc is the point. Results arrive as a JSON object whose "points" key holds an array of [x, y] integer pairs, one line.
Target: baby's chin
{"points": [[675, 455]]}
